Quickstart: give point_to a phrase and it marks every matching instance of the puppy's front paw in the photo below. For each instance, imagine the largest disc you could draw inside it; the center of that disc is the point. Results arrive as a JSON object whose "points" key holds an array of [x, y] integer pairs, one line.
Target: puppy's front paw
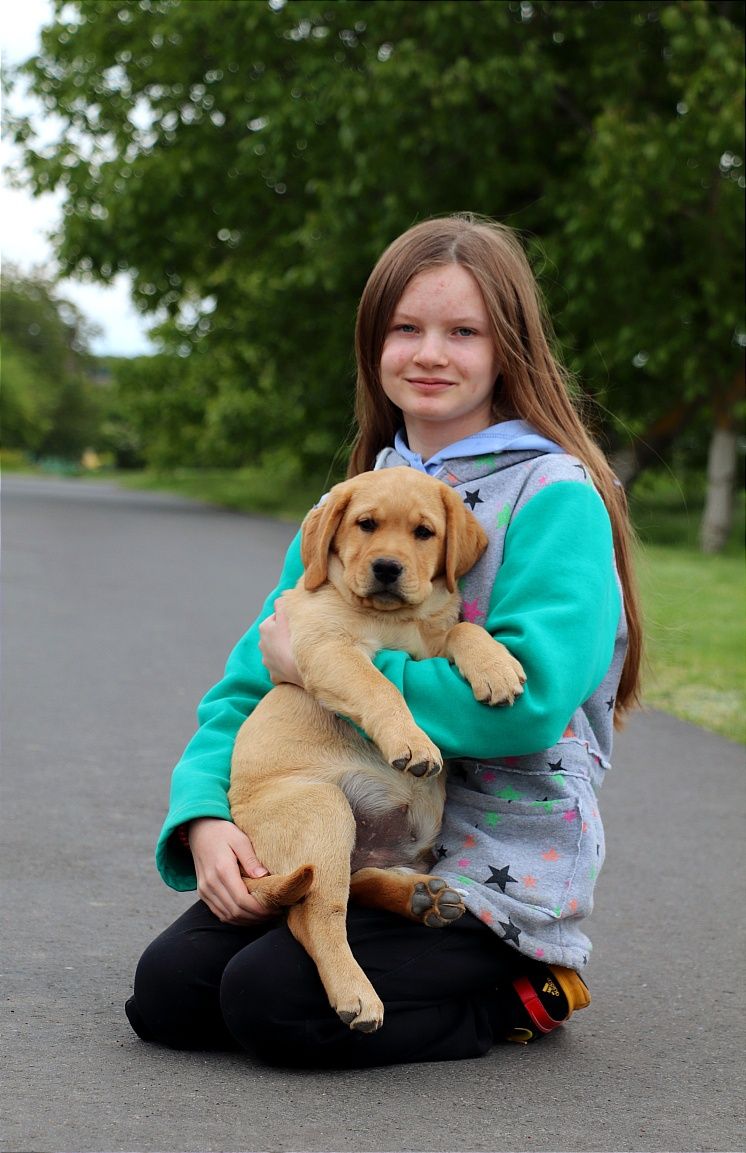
{"points": [[420, 758], [498, 682], [364, 1013]]}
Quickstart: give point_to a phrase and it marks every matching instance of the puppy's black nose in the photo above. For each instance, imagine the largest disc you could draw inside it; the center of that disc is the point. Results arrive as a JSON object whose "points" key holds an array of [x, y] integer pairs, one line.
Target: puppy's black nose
{"points": [[387, 571]]}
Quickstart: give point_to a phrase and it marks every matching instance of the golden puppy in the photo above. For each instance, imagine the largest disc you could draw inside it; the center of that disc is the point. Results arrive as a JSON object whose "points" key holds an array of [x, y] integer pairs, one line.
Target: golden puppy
{"points": [[320, 802]]}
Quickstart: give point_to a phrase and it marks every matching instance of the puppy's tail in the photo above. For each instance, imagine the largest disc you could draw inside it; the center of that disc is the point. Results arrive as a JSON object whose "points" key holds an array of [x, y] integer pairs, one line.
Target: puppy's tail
{"points": [[278, 890]]}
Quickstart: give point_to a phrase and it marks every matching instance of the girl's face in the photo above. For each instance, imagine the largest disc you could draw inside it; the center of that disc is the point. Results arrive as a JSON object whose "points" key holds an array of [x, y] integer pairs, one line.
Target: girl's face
{"points": [[439, 362]]}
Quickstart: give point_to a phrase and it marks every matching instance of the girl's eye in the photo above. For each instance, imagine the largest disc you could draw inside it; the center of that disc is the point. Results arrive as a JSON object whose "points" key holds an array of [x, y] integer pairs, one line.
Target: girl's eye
{"points": [[466, 331], [422, 532], [406, 328], [367, 525]]}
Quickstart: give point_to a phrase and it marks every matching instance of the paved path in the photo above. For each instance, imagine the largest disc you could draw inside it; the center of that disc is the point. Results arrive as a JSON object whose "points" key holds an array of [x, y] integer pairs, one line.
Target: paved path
{"points": [[119, 610]]}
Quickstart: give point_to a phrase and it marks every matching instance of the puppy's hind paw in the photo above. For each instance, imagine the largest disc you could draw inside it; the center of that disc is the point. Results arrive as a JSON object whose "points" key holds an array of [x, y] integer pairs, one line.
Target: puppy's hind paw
{"points": [[435, 904]]}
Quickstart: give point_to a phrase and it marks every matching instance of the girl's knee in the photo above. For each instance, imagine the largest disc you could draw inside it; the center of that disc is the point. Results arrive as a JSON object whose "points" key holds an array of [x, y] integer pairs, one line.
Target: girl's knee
{"points": [[269, 993], [160, 998], [173, 1003]]}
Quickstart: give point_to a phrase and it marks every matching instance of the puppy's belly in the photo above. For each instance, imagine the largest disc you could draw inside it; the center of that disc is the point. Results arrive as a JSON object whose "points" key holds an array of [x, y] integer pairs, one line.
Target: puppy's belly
{"points": [[385, 840]]}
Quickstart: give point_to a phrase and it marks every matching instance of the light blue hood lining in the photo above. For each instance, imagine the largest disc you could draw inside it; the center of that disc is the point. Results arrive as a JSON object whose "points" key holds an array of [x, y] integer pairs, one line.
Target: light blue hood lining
{"points": [[507, 436]]}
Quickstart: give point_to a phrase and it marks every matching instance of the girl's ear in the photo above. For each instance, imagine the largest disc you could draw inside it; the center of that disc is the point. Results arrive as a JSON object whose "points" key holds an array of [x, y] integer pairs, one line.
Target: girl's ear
{"points": [[317, 535], [466, 540]]}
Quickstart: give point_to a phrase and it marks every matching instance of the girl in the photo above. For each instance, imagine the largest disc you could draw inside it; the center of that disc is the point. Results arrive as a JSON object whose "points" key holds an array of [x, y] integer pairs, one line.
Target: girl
{"points": [[456, 378]]}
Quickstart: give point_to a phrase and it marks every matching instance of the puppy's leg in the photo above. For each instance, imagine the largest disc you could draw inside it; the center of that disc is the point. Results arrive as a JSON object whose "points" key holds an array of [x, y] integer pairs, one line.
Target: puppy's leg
{"points": [[347, 682], [417, 896], [494, 674], [309, 823]]}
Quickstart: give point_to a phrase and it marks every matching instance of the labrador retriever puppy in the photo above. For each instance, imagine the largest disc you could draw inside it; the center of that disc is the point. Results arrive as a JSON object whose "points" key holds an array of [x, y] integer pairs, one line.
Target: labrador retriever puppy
{"points": [[330, 813]]}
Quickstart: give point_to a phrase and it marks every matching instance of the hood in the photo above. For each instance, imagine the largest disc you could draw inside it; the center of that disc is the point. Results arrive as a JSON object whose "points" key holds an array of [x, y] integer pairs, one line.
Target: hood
{"points": [[476, 455]]}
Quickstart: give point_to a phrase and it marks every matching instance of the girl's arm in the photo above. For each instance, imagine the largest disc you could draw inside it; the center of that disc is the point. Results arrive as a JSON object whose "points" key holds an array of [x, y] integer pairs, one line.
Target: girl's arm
{"points": [[555, 604], [200, 780]]}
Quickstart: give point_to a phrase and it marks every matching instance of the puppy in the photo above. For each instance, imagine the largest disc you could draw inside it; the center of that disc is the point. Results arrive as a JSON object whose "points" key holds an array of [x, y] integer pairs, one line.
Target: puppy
{"points": [[331, 814]]}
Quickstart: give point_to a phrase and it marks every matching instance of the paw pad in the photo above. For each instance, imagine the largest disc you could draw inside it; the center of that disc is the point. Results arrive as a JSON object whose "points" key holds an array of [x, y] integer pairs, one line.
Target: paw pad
{"points": [[435, 904]]}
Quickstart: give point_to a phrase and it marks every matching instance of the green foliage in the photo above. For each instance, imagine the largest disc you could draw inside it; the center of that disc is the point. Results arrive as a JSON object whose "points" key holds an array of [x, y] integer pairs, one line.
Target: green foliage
{"points": [[25, 408], [246, 162], [49, 405]]}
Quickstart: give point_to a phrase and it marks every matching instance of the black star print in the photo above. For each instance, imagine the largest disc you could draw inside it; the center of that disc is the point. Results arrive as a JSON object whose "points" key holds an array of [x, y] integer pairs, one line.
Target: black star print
{"points": [[512, 932], [499, 877], [441, 852], [473, 498], [610, 703], [555, 766]]}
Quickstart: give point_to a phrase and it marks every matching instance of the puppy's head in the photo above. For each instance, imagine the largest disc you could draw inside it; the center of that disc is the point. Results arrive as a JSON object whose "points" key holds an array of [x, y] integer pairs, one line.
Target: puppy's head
{"points": [[394, 532]]}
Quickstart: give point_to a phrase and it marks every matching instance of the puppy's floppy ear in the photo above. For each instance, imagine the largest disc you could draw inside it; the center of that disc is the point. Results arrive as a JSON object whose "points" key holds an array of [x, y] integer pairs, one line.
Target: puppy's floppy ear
{"points": [[466, 540], [317, 534]]}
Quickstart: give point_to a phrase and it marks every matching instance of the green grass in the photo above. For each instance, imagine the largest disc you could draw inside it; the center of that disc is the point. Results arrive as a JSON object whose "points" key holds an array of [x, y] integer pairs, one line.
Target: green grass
{"points": [[695, 622], [275, 492], [694, 608]]}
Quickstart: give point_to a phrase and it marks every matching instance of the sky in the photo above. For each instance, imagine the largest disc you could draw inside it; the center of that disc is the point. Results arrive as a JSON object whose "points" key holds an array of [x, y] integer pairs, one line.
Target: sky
{"points": [[25, 221]]}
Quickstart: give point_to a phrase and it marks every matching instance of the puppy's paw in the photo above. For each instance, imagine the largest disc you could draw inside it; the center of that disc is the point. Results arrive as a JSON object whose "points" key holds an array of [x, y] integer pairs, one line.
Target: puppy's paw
{"points": [[499, 681], [421, 758], [364, 1013], [435, 904]]}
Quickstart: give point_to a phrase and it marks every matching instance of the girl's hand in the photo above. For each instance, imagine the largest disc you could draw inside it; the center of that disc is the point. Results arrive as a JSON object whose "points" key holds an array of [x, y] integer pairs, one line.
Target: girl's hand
{"points": [[221, 852], [277, 650]]}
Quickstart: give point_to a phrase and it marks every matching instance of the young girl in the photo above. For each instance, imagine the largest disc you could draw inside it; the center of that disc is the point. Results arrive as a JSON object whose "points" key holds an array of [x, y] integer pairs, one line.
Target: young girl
{"points": [[456, 378]]}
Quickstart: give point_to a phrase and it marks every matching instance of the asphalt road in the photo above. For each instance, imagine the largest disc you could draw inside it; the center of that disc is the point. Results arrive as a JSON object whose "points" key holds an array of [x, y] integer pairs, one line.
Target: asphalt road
{"points": [[119, 610]]}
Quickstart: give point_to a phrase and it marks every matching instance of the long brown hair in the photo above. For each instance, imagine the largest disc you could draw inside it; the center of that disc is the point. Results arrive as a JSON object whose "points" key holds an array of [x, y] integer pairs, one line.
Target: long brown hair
{"points": [[532, 385]]}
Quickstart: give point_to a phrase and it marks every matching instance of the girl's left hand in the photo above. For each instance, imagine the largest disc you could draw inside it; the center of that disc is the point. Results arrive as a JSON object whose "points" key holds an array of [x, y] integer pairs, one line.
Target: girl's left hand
{"points": [[277, 650]]}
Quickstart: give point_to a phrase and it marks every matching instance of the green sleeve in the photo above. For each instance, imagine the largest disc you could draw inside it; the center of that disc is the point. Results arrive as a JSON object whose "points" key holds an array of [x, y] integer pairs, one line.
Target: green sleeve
{"points": [[555, 604], [199, 784]]}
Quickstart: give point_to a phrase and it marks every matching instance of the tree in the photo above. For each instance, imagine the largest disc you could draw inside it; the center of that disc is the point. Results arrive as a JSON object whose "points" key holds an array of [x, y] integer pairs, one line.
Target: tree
{"points": [[48, 403], [667, 210], [246, 162]]}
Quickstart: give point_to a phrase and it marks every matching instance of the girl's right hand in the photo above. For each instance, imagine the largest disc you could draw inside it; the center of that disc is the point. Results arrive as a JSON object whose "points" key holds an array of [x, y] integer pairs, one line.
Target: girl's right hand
{"points": [[221, 853]]}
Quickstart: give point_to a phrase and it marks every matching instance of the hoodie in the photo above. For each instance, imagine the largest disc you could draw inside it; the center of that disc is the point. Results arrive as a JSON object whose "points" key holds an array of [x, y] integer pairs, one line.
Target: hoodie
{"points": [[522, 838]]}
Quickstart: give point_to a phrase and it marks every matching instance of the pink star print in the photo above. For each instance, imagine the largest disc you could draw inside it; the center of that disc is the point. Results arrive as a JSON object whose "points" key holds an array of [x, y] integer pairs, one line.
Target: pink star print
{"points": [[471, 611], [569, 815]]}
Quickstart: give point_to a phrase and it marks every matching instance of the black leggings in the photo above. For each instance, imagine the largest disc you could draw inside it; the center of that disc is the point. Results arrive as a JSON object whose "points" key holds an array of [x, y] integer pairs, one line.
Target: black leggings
{"points": [[206, 985]]}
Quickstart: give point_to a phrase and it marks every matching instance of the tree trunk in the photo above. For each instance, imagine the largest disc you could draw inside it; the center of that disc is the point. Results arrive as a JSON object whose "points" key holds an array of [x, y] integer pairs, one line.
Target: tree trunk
{"points": [[717, 518], [649, 448]]}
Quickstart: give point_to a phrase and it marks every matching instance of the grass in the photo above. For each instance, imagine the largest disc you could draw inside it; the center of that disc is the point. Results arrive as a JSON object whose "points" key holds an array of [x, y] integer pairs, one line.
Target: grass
{"points": [[694, 605], [694, 608], [695, 618], [279, 492]]}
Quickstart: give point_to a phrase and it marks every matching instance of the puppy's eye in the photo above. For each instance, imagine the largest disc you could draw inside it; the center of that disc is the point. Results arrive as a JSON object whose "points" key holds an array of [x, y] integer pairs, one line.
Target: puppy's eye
{"points": [[422, 532], [367, 524]]}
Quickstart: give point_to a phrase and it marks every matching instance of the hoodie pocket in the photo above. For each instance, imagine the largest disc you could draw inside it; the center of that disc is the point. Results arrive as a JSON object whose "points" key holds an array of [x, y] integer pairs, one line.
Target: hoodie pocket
{"points": [[544, 853]]}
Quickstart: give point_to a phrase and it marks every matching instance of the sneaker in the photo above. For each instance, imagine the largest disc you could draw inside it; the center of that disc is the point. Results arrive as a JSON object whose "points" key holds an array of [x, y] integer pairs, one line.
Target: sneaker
{"points": [[548, 999]]}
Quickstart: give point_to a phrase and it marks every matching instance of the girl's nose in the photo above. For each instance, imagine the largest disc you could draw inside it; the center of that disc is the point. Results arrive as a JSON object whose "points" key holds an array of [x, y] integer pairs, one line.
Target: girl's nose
{"points": [[431, 350]]}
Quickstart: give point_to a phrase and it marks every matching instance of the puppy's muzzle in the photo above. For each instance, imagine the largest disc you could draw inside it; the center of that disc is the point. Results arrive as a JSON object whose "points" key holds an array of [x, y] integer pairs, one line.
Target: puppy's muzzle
{"points": [[387, 571]]}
